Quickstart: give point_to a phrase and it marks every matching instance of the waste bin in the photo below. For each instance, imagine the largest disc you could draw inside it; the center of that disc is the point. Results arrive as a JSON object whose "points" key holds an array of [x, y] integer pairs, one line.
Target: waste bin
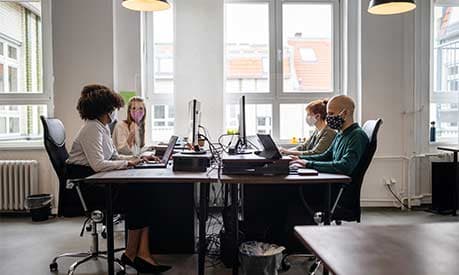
{"points": [[39, 206], [258, 258]]}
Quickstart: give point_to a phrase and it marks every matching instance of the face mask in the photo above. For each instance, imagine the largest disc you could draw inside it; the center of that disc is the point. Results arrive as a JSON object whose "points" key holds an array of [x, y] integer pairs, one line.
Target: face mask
{"points": [[137, 115], [112, 116], [335, 122], [311, 120]]}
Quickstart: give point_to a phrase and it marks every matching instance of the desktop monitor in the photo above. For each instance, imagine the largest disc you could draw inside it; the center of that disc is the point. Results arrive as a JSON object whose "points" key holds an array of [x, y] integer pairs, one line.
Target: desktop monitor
{"points": [[194, 116], [242, 142]]}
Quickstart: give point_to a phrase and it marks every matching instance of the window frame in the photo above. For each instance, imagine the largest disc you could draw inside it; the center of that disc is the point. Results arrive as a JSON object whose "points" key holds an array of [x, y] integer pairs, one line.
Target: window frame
{"points": [[276, 96], [439, 98], [149, 62], [27, 98]]}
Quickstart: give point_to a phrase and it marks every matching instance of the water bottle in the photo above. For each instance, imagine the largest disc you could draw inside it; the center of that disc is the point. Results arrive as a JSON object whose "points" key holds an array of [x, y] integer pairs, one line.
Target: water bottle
{"points": [[432, 131]]}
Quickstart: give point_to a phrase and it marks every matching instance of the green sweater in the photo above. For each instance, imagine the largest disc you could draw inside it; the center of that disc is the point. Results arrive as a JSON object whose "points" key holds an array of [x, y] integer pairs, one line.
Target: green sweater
{"points": [[343, 155]]}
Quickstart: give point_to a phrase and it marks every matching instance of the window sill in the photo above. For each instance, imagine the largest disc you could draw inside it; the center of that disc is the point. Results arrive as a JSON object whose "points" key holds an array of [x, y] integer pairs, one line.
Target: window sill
{"points": [[21, 146]]}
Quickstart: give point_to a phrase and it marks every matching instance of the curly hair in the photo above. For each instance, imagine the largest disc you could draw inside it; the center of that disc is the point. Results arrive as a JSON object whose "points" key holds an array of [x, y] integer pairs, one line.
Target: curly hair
{"points": [[97, 100]]}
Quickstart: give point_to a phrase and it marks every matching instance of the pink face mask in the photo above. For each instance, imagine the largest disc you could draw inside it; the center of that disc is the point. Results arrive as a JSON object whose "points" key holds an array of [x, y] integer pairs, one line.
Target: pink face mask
{"points": [[137, 115]]}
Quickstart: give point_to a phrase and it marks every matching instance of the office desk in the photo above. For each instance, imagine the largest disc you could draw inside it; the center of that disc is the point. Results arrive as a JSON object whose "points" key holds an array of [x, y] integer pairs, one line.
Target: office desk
{"points": [[153, 176], [235, 180], [422, 249], [455, 151]]}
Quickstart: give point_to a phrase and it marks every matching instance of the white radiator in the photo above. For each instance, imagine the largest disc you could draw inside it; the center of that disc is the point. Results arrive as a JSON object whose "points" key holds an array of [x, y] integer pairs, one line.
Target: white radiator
{"points": [[18, 179]]}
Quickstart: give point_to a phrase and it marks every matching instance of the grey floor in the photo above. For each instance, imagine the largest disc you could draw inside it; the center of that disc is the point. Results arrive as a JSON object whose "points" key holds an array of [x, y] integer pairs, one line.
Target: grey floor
{"points": [[27, 248]]}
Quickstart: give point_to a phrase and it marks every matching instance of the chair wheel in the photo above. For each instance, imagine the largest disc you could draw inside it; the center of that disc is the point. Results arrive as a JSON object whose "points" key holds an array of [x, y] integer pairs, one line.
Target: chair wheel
{"points": [[53, 267], [338, 222], [103, 234], [88, 228]]}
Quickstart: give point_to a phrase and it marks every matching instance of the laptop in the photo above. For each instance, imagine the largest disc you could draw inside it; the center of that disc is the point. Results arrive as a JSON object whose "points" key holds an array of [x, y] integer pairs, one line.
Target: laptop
{"points": [[270, 150], [163, 162]]}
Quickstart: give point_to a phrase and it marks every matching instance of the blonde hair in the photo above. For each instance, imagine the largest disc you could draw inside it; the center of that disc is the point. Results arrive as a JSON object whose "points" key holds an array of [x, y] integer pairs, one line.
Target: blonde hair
{"points": [[129, 119]]}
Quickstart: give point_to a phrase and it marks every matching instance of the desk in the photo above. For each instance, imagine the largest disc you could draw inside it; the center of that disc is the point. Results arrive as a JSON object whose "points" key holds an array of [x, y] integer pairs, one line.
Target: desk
{"points": [[152, 176], [235, 180], [455, 151], [422, 249]]}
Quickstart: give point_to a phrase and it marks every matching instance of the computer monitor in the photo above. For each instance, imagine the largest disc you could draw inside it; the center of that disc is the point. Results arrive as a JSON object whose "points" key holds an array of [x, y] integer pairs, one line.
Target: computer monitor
{"points": [[242, 127], [194, 116]]}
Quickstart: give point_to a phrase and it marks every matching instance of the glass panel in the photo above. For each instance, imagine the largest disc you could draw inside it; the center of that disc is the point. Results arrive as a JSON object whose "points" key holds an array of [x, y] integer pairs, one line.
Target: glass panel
{"points": [[293, 122], [444, 98], [258, 118], [307, 47], [25, 54], [247, 47], [21, 122], [13, 79], [163, 119], [12, 52], [163, 39]]}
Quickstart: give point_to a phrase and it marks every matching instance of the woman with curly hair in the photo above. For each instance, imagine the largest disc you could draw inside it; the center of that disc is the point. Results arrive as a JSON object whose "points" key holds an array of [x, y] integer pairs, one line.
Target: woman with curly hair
{"points": [[93, 151]]}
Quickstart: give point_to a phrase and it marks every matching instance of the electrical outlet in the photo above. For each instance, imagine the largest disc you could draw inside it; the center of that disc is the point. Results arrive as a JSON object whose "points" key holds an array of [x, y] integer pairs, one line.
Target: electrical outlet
{"points": [[393, 181], [386, 181]]}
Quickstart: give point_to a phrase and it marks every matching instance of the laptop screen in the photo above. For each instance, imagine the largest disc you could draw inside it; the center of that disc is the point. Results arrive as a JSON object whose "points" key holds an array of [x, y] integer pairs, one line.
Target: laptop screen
{"points": [[170, 149]]}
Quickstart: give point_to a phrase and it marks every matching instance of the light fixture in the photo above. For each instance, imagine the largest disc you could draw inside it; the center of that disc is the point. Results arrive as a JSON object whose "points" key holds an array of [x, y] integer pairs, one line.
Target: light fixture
{"points": [[146, 5], [386, 7]]}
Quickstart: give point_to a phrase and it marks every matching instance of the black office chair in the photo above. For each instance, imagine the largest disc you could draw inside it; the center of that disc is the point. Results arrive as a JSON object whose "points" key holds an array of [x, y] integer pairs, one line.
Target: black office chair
{"points": [[54, 140], [349, 209]]}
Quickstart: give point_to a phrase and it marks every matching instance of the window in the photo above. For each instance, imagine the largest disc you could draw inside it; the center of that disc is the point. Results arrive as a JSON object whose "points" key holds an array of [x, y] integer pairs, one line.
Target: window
{"points": [[280, 54], [444, 96], [159, 73], [22, 96]]}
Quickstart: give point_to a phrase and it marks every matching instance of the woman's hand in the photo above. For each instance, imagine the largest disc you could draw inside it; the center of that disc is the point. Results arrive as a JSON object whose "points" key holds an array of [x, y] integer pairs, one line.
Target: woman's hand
{"points": [[134, 162], [293, 157], [300, 163], [150, 158]]}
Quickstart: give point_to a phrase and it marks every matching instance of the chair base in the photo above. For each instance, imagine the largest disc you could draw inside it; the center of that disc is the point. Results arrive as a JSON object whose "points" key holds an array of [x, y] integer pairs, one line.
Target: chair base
{"points": [[86, 256]]}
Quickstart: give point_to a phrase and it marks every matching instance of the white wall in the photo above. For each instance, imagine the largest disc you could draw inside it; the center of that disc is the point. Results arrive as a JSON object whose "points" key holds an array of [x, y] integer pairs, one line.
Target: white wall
{"points": [[199, 62]]}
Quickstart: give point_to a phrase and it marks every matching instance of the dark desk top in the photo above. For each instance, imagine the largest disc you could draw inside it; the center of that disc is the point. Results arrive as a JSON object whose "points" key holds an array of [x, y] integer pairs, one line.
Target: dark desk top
{"points": [[165, 175], [448, 148], [422, 249]]}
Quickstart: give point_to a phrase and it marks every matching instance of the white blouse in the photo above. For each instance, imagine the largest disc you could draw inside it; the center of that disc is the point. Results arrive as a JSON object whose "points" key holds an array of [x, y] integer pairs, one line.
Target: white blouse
{"points": [[93, 146], [120, 137]]}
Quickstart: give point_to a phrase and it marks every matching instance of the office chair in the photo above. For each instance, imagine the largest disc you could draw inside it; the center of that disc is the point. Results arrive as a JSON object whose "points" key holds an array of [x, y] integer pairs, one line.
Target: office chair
{"points": [[351, 210], [54, 140]]}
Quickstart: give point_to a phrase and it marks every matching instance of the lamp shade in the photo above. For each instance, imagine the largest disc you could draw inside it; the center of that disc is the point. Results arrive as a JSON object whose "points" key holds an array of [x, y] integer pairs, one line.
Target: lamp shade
{"points": [[146, 5], [386, 7]]}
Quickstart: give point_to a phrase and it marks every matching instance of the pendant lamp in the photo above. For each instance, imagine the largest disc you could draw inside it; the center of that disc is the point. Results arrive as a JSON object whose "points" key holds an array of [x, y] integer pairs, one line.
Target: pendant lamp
{"points": [[146, 5], [387, 7]]}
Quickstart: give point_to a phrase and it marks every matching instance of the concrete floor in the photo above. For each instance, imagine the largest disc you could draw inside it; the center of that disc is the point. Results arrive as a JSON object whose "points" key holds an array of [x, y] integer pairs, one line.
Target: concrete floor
{"points": [[27, 248]]}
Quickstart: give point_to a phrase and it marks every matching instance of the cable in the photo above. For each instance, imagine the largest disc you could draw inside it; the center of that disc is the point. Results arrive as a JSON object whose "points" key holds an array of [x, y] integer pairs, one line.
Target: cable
{"points": [[396, 197]]}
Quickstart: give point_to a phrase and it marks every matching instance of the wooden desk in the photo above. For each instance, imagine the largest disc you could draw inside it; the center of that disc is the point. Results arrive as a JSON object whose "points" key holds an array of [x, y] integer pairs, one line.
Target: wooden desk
{"points": [[422, 249], [152, 176], [235, 180], [455, 151]]}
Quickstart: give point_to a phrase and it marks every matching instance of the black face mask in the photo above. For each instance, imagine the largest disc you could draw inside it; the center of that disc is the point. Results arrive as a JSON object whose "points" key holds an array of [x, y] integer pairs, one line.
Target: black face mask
{"points": [[335, 122]]}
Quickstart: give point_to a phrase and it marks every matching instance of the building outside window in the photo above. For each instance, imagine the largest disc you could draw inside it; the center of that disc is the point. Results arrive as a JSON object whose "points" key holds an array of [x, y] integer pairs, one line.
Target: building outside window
{"points": [[22, 98], [280, 55], [444, 96]]}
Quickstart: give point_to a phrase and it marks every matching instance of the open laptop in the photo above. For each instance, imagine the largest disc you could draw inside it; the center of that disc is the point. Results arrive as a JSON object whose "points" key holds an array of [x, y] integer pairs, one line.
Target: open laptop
{"points": [[270, 150], [163, 162]]}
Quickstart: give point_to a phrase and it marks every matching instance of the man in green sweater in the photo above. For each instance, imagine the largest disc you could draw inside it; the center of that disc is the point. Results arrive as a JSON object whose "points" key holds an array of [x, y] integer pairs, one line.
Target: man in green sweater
{"points": [[350, 143]]}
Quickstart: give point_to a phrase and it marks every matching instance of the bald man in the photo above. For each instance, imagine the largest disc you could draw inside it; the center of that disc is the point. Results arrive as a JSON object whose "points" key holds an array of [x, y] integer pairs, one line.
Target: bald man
{"points": [[349, 145]]}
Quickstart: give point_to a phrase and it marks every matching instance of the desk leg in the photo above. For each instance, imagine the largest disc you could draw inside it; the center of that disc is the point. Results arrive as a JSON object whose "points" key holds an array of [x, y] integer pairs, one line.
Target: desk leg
{"points": [[455, 195], [234, 208], [203, 207], [109, 224]]}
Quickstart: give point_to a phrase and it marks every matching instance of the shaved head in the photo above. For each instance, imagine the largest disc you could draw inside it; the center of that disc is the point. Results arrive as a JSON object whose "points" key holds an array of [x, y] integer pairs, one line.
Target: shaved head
{"points": [[343, 105]]}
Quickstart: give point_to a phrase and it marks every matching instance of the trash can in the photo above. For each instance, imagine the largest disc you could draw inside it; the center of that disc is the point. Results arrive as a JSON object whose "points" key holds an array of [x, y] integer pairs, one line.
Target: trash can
{"points": [[39, 206], [258, 258]]}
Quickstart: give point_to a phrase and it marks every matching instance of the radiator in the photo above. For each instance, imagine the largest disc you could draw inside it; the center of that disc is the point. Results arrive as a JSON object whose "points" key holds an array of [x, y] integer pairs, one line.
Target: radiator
{"points": [[18, 179]]}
